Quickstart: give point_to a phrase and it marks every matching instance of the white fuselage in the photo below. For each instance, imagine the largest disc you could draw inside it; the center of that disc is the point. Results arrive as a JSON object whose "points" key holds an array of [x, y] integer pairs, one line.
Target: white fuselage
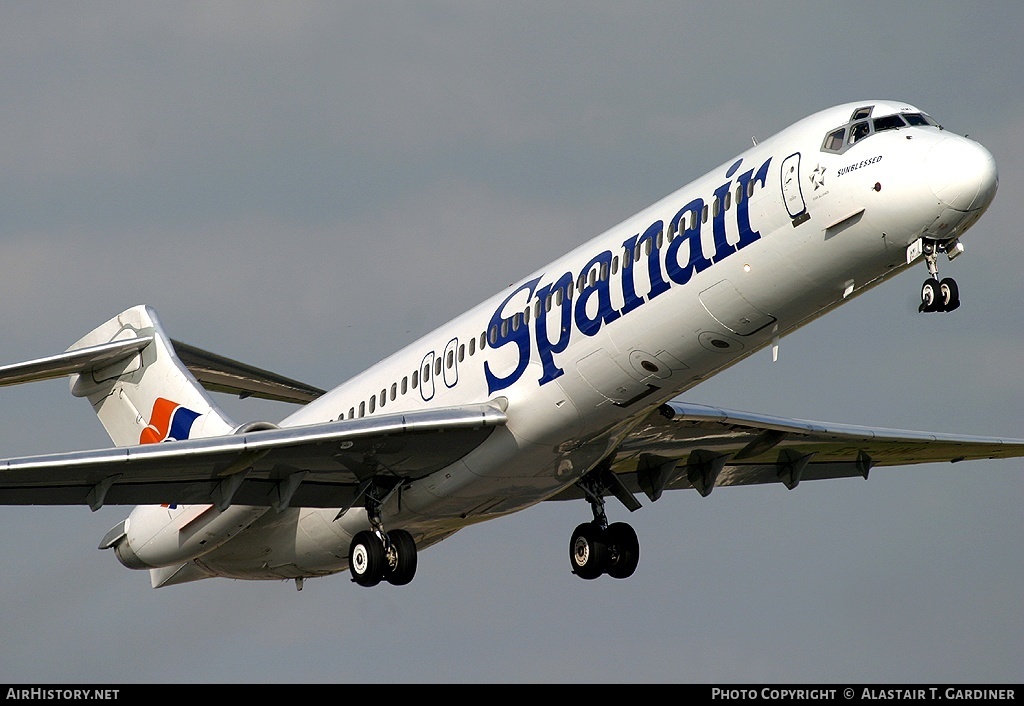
{"points": [[582, 349]]}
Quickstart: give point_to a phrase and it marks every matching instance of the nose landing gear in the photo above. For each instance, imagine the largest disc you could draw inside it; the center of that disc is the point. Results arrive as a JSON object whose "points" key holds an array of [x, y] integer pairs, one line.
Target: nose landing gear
{"points": [[939, 295]]}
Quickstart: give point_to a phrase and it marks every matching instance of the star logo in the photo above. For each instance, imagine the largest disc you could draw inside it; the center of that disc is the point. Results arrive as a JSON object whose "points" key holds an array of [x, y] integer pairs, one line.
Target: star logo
{"points": [[818, 177]]}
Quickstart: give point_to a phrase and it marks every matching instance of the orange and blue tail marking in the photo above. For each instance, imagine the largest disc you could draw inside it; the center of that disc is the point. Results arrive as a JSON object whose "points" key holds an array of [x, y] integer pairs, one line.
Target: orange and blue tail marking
{"points": [[169, 421]]}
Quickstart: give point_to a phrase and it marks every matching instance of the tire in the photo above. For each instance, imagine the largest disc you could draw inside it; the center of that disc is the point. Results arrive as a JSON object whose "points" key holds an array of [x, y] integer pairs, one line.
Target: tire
{"points": [[931, 298], [366, 559], [949, 294], [587, 551], [403, 569], [623, 551]]}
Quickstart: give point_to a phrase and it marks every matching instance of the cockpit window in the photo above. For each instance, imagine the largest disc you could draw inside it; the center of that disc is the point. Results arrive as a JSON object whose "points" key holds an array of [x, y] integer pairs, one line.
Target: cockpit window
{"points": [[919, 119], [889, 122], [834, 140], [861, 125], [859, 131]]}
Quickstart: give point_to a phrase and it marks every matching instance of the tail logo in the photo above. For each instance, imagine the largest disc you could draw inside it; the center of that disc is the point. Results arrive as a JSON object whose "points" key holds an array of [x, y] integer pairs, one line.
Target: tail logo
{"points": [[169, 421]]}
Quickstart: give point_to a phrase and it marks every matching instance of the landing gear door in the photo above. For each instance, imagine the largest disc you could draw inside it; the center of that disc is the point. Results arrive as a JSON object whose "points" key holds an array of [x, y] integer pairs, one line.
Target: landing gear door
{"points": [[791, 187]]}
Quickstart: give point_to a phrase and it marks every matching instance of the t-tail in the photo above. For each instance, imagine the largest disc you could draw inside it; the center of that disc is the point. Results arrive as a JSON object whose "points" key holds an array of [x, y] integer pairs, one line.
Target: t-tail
{"points": [[147, 396]]}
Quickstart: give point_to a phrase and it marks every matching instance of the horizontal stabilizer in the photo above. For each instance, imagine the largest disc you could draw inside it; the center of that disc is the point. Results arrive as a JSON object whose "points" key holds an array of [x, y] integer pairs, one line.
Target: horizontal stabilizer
{"points": [[220, 374], [71, 362]]}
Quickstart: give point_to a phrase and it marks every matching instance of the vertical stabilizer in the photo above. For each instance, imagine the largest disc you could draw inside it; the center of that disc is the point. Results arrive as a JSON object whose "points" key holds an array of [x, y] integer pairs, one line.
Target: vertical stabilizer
{"points": [[149, 396]]}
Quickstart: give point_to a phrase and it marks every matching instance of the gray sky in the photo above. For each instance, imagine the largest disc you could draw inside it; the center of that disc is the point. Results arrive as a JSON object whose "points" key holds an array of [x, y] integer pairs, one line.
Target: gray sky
{"points": [[310, 186]]}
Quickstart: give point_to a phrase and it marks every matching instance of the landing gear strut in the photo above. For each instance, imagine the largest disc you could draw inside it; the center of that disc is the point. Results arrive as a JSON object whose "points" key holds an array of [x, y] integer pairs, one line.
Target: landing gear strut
{"points": [[599, 548], [376, 555], [939, 295]]}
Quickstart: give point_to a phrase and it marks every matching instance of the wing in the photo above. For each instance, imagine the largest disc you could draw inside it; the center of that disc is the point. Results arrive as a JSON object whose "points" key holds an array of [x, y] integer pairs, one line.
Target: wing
{"points": [[693, 446], [320, 465]]}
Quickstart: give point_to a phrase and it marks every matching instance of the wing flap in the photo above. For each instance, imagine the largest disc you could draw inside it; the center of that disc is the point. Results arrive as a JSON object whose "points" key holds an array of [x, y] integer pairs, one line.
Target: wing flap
{"points": [[314, 466]]}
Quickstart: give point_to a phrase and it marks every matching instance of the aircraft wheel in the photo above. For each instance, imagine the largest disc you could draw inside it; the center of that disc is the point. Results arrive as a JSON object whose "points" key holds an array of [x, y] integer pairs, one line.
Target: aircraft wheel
{"points": [[587, 551], [623, 551], [949, 294], [931, 298], [401, 560], [366, 560]]}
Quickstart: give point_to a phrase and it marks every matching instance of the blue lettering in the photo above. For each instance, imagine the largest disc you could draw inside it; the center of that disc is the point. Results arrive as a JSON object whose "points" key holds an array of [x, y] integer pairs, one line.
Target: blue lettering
{"points": [[597, 267], [658, 284], [632, 301], [507, 334], [546, 348], [696, 262], [747, 234], [595, 287]]}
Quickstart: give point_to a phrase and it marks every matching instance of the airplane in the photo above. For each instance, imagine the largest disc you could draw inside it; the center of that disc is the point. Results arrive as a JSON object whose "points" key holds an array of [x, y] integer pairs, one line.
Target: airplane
{"points": [[566, 385]]}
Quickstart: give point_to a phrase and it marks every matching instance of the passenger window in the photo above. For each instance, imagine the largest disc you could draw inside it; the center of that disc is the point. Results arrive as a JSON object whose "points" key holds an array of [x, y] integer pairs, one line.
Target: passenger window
{"points": [[437, 367], [373, 404], [451, 358], [472, 346], [351, 412], [415, 379], [394, 391], [405, 384], [362, 409], [462, 352]]}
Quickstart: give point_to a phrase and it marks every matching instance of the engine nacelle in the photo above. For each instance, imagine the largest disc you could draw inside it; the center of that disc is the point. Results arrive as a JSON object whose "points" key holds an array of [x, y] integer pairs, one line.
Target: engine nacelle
{"points": [[157, 535]]}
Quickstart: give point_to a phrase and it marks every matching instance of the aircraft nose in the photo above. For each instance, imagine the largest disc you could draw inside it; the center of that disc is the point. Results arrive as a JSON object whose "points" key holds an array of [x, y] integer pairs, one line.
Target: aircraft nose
{"points": [[962, 174]]}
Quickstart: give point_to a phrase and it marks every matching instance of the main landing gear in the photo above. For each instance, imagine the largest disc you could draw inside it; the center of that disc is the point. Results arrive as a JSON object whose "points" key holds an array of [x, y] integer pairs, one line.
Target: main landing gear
{"points": [[939, 295], [376, 555], [599, 548]]}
